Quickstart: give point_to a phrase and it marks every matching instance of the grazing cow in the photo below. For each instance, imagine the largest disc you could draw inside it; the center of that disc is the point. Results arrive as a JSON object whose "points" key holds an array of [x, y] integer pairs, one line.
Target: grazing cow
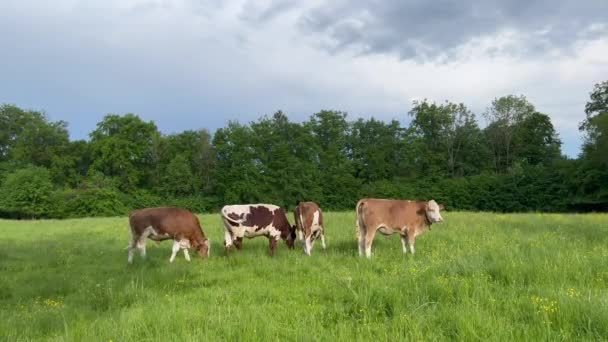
{"points": [[408, 218], [251, 220], [309, 224], [160, 224]]}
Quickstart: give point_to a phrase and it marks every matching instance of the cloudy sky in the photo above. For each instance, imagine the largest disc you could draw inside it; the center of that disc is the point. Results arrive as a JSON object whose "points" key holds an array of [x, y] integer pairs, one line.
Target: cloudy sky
{"points": [[189, 64]]}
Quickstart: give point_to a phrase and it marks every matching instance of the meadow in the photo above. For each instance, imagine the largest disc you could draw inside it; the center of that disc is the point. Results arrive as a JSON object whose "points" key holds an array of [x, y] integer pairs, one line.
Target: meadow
{"points": [[478, 276]]}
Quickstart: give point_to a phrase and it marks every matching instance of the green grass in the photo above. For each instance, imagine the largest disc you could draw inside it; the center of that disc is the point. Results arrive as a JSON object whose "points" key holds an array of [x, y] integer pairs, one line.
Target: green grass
{"points": [[475, 277]]}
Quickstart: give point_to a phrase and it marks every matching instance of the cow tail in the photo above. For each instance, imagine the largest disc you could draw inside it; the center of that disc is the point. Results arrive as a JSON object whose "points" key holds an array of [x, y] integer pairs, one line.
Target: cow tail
{"points": [[131, 230], [360, 216]]}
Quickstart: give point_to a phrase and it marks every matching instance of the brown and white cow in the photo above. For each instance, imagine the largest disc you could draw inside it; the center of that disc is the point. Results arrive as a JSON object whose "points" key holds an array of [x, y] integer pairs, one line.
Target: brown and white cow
{"points": [[251, 220], [309, 225], [158, 224], [407, 218]]}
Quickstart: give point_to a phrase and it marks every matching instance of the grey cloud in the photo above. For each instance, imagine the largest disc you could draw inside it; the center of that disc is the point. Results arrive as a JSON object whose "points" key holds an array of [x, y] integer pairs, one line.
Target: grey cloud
{"points": [[429, 29], [254, 13]]}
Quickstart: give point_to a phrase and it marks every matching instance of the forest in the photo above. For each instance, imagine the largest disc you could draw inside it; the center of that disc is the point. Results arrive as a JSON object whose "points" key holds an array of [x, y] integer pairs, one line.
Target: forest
{"points": [[512, 164]]}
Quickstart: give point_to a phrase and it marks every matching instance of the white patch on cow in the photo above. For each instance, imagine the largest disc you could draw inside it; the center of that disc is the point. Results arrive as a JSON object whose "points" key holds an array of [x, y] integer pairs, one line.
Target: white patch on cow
{"points": [[184, 243], [412, 248], [186, 254], [315, 218]]}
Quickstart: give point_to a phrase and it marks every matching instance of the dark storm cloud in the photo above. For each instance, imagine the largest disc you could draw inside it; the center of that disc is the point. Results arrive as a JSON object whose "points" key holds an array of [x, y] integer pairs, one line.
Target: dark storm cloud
{"points": [[421, 29]]}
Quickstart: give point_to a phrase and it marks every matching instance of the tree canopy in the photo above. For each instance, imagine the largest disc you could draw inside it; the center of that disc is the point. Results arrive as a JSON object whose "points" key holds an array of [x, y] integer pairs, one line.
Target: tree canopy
{"points": [[514, 163]]}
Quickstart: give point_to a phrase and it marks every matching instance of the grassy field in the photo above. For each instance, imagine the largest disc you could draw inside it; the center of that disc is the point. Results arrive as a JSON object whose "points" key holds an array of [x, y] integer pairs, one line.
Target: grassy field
{"points": [[475, 277]]}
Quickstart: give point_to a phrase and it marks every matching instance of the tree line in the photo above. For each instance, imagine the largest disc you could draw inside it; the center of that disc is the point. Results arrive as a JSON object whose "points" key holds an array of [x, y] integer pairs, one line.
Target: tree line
{"points": [[512, 164]]}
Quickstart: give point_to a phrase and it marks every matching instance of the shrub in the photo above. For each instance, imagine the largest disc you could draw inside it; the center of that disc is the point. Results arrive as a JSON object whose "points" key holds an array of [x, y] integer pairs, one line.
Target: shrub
{"points": [[26, 193]]}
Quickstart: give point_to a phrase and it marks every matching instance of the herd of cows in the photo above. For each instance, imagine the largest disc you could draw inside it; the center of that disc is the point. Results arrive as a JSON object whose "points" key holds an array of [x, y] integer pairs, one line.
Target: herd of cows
{"points": [[406, 218]]}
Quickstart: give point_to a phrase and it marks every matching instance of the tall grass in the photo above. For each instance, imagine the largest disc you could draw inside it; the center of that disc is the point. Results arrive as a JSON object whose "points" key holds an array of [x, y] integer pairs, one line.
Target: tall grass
{"points": [[475, 277]]}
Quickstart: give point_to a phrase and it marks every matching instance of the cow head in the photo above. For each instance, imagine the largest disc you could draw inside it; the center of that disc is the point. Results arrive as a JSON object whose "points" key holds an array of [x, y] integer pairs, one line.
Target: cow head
{"points": [[290, 240], [433, 213], [203, 248]]}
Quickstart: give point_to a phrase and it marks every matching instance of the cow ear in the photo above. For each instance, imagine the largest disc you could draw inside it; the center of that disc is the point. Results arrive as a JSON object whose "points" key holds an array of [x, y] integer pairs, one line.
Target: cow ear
{"points": [[441, 207]]}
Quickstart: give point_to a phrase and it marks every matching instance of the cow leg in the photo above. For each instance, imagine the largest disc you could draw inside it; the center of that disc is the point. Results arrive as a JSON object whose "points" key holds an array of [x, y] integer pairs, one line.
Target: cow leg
{"points": [[404, 243], [308, 245], [272, 245], [186, 254], [369, 238], [238, 243], [141, 245], [227, 239], [176, 247], [142, 249], [300, 235], [132, 247], [411, 241], [323, 239]]}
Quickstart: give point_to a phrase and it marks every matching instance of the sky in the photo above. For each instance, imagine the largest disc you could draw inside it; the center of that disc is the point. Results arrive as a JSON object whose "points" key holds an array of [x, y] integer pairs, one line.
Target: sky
{"points": [[189, 64]]}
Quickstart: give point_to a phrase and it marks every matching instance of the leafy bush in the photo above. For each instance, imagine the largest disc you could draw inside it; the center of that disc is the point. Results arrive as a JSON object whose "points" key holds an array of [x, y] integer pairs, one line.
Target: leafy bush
{"points": [[89, 202], [26, 193]]}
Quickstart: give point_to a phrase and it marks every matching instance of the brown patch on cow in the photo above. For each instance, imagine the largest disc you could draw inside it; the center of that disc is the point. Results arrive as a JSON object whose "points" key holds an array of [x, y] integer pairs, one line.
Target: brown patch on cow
{"points": [[281, 223], [235, 216], [259, 216]]}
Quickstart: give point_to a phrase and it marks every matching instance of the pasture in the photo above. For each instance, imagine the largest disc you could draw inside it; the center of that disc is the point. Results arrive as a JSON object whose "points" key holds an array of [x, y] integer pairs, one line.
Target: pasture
{"points": [[477, 276]]}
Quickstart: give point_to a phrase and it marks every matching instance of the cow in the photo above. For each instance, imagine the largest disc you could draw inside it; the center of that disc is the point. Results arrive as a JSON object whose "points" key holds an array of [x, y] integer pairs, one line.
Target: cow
{"points": [[251, 220], [407, 218], [158, 224], [309, 225]]}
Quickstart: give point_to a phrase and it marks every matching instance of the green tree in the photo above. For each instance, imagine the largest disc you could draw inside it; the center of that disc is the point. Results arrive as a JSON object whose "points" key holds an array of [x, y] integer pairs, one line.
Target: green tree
{"points": [[375, 149], [597, 104], [285, 158], [237, 175], [504, 116], [592, 190], [446, 140], [123, 148], [330, 130], [28, 137], [536, 141], [178, 179], [197, 148], [72, 167]]}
